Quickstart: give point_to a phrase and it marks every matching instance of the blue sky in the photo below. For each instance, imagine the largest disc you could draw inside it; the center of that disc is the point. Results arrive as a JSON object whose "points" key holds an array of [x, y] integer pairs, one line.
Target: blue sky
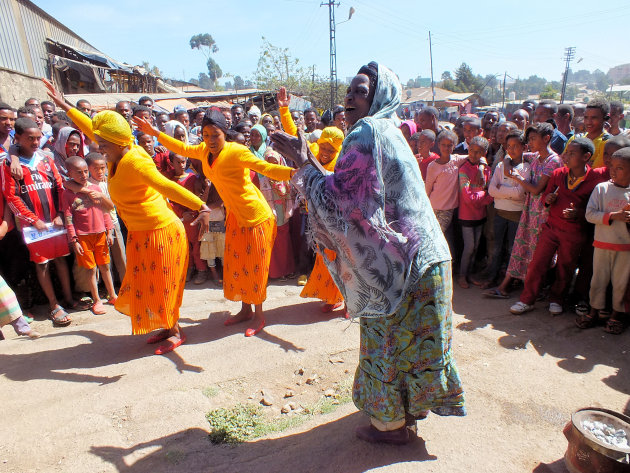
{"points": [[522, 38]]}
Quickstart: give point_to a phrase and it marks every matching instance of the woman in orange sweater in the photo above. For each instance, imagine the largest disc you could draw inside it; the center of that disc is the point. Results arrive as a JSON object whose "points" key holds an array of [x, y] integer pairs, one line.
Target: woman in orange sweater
{"points": [[157, 249], [250, 225]]}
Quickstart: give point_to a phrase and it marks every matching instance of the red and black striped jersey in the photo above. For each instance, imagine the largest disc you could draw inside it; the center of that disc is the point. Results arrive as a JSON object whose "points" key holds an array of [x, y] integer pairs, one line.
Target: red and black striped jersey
{"points": [[38, 195]]}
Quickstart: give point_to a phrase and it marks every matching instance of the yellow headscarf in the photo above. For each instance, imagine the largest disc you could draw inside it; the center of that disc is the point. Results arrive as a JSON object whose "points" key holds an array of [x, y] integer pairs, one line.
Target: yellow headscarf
{"points": [[113, 127], [334, 137]]}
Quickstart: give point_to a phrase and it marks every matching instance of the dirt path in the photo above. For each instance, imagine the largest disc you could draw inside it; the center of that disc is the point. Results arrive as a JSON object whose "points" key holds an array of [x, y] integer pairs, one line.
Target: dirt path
{"points": [[91, 398]]}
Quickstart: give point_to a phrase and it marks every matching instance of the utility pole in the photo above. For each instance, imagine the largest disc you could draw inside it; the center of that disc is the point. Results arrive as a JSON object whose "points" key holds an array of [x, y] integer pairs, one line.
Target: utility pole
{"points": [[432, 83], [503, 100], [569, 54], [333, 51]]}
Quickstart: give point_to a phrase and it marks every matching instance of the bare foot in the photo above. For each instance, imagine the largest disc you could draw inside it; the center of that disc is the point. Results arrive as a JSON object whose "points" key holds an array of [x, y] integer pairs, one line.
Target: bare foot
{"points": [[244, 314], [463, 283]]}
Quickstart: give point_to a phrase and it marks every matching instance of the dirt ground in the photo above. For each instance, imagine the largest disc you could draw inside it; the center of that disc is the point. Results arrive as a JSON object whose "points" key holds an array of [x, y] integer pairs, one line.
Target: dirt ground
{"points": [[92, 398]]}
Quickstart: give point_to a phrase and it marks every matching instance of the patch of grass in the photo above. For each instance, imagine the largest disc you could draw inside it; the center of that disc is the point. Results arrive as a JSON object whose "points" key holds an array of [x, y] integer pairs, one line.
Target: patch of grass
{"points": [[245, 422], [234, 425], [210, 391]]}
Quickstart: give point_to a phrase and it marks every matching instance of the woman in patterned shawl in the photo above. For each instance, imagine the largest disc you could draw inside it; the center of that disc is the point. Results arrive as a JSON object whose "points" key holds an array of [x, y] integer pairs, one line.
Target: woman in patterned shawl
{"points": [[392, 266]]}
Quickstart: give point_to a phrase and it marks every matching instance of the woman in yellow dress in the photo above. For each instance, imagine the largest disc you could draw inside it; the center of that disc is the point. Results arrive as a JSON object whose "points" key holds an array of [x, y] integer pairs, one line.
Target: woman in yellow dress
{"points": [[157, 248], [320, 284], [250, 225]]}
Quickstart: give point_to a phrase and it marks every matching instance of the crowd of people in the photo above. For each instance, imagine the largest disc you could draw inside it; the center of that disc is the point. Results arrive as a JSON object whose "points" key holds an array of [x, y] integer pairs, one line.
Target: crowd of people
{"points": [[522, 204], [145, 201], [492, 183]]}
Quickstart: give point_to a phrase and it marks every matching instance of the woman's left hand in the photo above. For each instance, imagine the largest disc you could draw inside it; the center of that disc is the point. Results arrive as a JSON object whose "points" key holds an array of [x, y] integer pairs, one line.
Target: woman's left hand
{"points": [[293, 148]]}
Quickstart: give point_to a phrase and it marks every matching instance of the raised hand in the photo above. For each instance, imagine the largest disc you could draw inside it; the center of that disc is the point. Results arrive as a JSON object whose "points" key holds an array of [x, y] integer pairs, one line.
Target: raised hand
{"points": [[145, 126], [282, 97], [293, 148], [56, 95]]}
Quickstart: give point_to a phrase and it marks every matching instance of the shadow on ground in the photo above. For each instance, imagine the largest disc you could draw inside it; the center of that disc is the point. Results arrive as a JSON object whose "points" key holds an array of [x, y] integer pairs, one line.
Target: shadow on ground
{"points": [[328, 447], [579, 350], [108, 350]]}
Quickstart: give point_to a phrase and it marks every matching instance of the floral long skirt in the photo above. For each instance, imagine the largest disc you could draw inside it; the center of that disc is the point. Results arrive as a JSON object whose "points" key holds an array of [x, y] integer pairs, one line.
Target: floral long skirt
{"points": [[153, 287], [246, 260], [406, 362]]}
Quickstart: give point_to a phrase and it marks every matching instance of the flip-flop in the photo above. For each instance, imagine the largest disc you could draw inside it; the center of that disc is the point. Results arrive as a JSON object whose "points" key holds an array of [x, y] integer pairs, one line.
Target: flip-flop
{"points": [[171, 346], [57, 315], [158, 337], [250, 332], [495, 294]]}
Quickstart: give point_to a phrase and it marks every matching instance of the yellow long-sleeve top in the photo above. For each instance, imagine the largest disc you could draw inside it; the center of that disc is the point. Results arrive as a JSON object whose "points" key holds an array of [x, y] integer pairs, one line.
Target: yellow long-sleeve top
{"points": [[137, 188], [289, 126], [229, 172]]}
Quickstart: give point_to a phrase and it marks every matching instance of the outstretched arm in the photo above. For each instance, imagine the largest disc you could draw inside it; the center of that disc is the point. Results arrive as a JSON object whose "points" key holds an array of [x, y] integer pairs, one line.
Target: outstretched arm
{"points": [[198, 152]]}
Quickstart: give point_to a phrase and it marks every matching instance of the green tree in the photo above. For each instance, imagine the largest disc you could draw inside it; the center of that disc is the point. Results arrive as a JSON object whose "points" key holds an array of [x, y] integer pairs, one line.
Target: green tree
{"points": [[549, 92], [214, 71], [446, 75], [206, 44], [276, 68], [465, 80], [411, 84], [571, 92], [239, 83], [205, 82]]}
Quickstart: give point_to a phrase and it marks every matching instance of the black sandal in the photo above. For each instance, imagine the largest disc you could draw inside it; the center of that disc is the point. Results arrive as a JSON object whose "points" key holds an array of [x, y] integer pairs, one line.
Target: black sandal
{"points": [[586, 321], [615, 327]]}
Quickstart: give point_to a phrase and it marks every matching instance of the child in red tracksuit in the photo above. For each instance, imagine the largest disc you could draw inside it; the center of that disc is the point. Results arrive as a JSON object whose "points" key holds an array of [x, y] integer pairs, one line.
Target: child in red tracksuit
{"points": [[566, 229], [194, 184]]}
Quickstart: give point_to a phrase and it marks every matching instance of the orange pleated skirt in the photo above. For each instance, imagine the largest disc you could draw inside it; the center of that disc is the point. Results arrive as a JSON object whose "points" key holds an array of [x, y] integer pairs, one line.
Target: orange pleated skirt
{"points": [[153, 287], [320, 284], [246, 260]]}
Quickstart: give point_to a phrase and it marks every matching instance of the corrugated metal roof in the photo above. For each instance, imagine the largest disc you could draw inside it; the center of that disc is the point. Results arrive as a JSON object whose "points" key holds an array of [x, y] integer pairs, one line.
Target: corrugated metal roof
{"points": [[11, 48], [35, 25]]}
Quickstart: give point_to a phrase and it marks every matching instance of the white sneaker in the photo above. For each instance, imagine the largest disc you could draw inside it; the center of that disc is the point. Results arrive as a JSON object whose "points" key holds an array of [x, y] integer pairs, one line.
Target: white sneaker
{"points": [[555, 308], [520, 308]]}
